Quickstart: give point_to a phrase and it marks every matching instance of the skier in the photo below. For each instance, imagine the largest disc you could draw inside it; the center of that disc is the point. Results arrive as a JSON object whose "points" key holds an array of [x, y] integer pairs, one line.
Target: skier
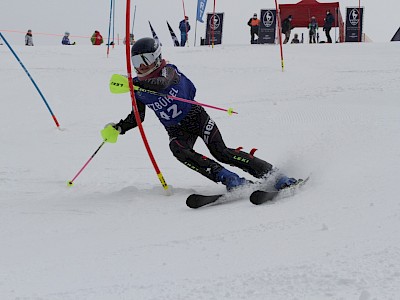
{"points": [[185, 122], [29, 38]]}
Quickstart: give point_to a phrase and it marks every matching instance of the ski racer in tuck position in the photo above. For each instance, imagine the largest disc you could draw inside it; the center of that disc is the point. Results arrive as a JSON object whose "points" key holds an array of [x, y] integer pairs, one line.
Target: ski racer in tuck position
{"points": [[185, 122]]}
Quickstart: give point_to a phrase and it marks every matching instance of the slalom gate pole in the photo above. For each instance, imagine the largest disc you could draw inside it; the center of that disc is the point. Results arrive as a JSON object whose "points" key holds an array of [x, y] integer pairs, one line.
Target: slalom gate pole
{"points": [[279, 33], [133, 99], [33, 81], [113, 25], [133, 20], [71, 182], [109, 28]]}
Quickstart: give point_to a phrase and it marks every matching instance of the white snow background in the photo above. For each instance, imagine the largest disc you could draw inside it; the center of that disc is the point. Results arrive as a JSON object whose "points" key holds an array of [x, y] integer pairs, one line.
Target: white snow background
{"points": [[334, 112]]}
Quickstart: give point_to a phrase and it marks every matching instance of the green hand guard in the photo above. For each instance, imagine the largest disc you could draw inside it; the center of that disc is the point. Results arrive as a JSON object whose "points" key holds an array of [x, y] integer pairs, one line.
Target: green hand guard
{"points": [[119, 84], [110, 134]]}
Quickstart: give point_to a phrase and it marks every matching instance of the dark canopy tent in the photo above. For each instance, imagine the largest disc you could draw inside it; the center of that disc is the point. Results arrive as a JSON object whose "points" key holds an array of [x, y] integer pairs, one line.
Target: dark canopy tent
{"points": [[305, 9], [396, 36]]}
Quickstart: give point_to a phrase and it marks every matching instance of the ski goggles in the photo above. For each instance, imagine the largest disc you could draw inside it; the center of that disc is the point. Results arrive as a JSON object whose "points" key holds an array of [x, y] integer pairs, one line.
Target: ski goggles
{"points": [[145, 58]]}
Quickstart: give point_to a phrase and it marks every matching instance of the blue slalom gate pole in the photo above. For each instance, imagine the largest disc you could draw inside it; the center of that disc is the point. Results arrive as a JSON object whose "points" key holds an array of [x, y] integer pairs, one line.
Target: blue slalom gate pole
{"points": [[33, 81], [109, 27], [113, 24]]}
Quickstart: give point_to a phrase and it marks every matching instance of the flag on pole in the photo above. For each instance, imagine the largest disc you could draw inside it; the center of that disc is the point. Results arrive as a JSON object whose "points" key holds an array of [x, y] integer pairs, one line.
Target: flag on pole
{"points": [[201, 7], [154, 34], [173, 36]]}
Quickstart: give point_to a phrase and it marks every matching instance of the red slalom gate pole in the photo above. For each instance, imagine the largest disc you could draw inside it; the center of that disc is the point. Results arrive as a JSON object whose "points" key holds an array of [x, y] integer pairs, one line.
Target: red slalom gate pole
{"points": [[133, 99], [278, 13]]}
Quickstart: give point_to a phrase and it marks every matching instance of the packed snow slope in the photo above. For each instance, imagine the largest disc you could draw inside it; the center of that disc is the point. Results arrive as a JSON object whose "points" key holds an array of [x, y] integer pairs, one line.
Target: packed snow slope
{"points": [[333, 113]]}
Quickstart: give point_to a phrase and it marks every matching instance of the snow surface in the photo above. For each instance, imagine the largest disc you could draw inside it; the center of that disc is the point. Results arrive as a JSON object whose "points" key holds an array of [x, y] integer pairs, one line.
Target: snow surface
{"points": [[334, 112]]}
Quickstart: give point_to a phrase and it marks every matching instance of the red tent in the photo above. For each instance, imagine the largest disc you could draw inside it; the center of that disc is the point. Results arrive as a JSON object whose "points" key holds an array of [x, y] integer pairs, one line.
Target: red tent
{"points": [[305, 9]]}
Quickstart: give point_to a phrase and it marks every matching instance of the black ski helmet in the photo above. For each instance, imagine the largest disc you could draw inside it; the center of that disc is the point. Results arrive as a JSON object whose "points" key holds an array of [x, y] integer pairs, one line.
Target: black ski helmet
{"points": [[146, 51]]}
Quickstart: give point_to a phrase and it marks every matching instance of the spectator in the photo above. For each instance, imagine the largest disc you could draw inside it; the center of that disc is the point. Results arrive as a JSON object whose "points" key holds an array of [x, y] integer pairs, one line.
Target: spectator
{"points": [[28, 38], [295, 40], [313, 28], [96, 39], [65, 40], [184, 27], [329, 20], [286, 28], [254, 24], [131, 39]]}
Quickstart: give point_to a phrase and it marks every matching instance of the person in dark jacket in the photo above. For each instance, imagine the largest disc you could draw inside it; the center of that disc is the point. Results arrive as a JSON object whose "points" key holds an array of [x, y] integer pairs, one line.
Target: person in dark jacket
{"points": [[184, 27], [286, 28], [329, 22], [29, 38], [295, 40], [254, 24], [184, 122]]}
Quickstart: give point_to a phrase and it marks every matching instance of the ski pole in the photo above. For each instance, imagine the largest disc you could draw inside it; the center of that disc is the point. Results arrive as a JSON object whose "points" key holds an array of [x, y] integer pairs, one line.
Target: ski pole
{"points": [[119, 84], [33, 81], [71, 182]]}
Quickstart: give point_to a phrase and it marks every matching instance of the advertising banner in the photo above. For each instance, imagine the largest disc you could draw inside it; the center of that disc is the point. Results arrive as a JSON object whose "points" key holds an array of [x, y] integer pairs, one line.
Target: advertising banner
{"points": [[214, 27], [267, 31], [354, 24]]}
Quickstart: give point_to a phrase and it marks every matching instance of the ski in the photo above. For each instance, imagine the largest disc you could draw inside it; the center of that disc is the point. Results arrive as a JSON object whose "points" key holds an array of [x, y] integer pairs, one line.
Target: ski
{"points": [[243, 192], [196, 200], [257, 194], [259, 197]]}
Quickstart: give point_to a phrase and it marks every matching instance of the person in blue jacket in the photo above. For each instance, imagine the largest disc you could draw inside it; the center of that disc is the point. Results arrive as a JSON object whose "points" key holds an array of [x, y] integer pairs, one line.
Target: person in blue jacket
{"points": [[65, 40], [184, 27], [185, 122]]}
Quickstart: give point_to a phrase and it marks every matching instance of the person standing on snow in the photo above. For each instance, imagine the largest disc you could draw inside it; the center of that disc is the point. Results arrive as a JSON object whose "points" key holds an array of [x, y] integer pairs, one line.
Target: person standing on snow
{"points": [[29, 38], [313, 28], [185, 122], [184, 27], [287, 28], [96, 39], [254, 24], [329, 20]]}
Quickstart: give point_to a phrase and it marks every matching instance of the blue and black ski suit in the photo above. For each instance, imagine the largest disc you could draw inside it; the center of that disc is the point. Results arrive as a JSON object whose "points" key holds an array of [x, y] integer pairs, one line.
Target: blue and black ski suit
{"points": [[185, 122]]}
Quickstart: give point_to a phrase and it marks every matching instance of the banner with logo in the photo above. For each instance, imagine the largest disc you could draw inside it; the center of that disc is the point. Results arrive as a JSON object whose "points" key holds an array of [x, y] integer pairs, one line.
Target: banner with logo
{"points": [[201, 7], [267, 31], [354, 24], [214, 26]]}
